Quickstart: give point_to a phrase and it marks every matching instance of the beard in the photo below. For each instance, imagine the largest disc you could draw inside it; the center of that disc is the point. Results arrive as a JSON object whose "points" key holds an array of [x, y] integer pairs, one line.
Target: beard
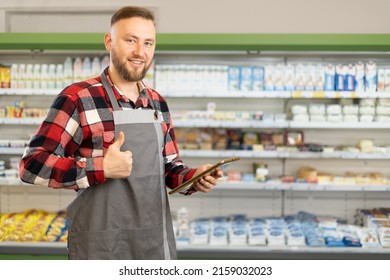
{"points": [[130, 76]]}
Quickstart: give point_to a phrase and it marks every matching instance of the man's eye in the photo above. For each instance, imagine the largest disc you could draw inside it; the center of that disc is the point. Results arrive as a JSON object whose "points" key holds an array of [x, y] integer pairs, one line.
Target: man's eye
{"points": [[149, 44]]}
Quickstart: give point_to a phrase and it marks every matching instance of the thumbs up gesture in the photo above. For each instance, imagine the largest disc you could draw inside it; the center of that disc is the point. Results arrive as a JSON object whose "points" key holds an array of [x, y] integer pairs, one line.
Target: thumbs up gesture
{"points": [[117, 164]]}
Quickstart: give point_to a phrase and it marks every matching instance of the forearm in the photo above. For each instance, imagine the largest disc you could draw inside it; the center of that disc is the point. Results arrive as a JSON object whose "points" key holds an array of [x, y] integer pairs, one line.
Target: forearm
{"points": [[41, 167], [176, 173]]}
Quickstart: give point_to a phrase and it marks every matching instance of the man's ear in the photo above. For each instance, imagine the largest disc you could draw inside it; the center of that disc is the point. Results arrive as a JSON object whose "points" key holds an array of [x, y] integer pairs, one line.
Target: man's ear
{"points": [[107, 41]]}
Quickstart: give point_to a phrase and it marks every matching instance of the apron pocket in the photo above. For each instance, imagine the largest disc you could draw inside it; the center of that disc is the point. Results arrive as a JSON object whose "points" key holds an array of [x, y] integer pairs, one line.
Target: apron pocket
{"points": [[123, 244]]}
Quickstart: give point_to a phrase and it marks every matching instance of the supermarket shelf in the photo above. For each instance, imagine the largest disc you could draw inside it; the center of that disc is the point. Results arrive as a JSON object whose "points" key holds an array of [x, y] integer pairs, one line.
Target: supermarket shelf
{"points": [[276, 94], [28, 91], [276, 185], [340, 125], [21, 121], [230, 124], [237, 124], [280, 154], [224, 94], [283, 252], [10, 182], [221, 252], [253, 154], [11, 151], [257, 186]]}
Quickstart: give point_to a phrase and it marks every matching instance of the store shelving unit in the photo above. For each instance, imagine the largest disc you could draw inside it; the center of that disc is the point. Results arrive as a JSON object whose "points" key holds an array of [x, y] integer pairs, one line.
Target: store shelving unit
{"points": [[270, 198]]}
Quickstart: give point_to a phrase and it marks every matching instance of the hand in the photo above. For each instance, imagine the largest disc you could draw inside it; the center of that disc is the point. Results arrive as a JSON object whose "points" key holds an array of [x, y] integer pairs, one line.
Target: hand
{"points": [[117, 164], [207, 182]]}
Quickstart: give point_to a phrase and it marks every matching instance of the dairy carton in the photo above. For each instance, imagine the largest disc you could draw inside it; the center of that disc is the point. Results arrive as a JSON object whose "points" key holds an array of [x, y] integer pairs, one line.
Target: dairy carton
{"points": [[371, 76], [330, 77], [289, 77], [387, 79], [36, 76], [381, 80], [319, 77], [340, 77], [360, 77], [300, 77], [278, 77], [350, 78], [258, 78], [246, 82], [310, 74], [234, 77]]}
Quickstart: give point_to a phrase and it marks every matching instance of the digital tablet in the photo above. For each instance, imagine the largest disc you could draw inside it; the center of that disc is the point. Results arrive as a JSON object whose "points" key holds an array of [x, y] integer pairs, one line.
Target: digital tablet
{"points": [[223, 164]]}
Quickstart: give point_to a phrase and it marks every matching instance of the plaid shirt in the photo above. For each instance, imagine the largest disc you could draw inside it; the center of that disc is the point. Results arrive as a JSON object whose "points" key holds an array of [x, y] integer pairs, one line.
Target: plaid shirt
{"points": [[68, 147]]}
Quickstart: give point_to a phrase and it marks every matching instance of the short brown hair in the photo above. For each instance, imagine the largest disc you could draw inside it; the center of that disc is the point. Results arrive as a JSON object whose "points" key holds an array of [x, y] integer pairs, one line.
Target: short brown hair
{"points": [[132, 11]]}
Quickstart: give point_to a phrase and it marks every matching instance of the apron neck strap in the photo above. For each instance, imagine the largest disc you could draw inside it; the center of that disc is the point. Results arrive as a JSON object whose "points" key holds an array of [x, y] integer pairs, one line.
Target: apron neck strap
{"points": [[114, 101], [110, 92]]}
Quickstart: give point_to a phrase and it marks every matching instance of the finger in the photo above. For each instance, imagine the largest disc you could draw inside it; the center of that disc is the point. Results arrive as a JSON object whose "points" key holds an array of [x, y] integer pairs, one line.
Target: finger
{"points": [[120, 140]]}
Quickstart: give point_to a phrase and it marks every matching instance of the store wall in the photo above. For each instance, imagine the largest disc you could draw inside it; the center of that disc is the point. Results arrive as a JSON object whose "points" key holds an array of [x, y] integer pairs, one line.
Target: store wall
{"points": [[202, 16]]}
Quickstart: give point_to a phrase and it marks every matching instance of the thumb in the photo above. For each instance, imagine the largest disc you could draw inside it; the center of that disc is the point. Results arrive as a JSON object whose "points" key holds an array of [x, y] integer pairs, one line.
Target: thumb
{"points": [[120, 140]]}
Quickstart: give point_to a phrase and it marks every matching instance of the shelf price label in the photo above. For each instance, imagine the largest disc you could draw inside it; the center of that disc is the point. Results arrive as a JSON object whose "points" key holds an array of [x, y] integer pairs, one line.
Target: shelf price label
{"points": [[297, 94], [318, 94]]}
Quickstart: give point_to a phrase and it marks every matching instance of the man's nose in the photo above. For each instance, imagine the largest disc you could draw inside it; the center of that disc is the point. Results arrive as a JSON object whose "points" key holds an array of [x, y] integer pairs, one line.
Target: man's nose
{"points": [[139, 48]]}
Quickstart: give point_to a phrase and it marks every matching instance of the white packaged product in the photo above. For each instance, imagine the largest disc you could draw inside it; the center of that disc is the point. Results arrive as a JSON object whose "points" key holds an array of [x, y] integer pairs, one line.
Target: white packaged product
{"points": [[14, 76], [317, 109], [280, 117], [300, 77], [296, 238], [238, 235], [367, 102], [269, 77], [59, 80], [350, 118], [289, 77], [387, 80], [299, 109], [301, 118], [381, 79], [256, 235], [21, 76], [360, 76], [318, 118], [246, 78], [334, 118], [319, 77], [371, 76], [310, 76], [219, 232], [351, 109], [384, 236], [234, 77], [366, 118], [383, 110], [383, 101], [37, 76], [368, 237], [367, 110], [382, 118], [275, 237], [258, 78], [200, 231], [279, 78], [183, 226], [334, 109]]}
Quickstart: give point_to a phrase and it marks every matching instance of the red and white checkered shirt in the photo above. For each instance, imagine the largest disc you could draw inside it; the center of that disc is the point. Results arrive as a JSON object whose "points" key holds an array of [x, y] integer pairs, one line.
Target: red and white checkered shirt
{"points": [[68, 147]]}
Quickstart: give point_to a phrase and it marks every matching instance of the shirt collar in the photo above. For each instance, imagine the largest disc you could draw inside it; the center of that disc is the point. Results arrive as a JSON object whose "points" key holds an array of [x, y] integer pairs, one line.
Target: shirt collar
{"points": [[142, 101]]}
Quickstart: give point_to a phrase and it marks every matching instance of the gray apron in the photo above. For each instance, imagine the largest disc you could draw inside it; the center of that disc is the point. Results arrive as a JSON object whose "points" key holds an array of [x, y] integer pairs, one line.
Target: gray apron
{"points": [[126, 218]]}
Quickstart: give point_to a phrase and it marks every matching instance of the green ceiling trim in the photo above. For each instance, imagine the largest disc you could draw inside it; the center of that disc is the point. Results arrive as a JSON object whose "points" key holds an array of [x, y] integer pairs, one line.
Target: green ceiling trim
{"points": [[205, 42]]}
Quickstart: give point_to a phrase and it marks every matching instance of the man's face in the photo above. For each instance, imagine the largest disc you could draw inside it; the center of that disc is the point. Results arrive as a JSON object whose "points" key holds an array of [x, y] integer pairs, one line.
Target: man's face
{"points": [[132, 46]]}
